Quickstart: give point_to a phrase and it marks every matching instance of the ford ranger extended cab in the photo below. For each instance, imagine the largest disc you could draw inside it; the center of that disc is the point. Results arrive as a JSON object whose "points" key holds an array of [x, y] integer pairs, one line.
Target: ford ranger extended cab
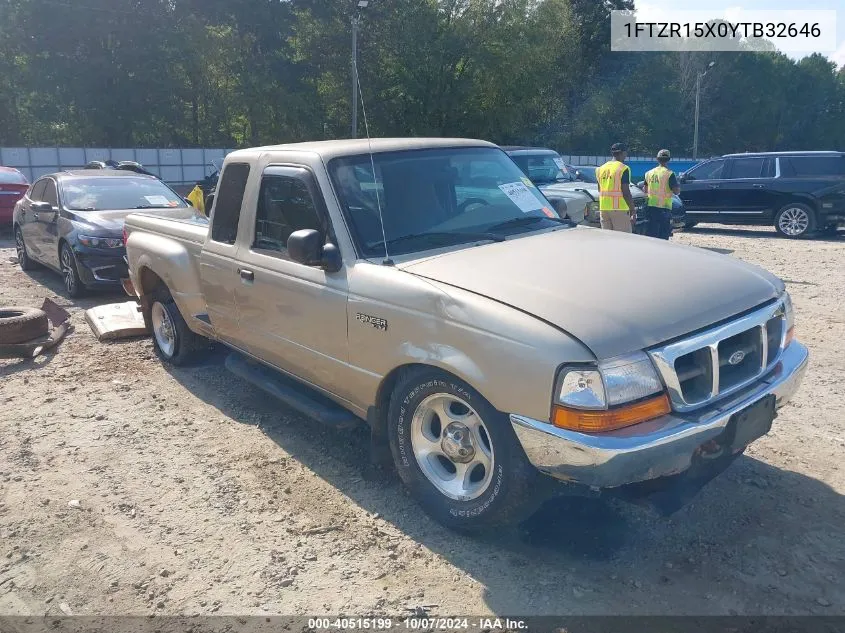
{"points": [[428, 288]]}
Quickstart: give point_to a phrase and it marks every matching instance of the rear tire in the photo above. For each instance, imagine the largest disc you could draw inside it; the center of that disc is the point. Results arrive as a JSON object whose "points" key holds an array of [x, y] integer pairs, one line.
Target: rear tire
{"points": [[489, 484], [20, 248], [173, 340], [795, 220]]}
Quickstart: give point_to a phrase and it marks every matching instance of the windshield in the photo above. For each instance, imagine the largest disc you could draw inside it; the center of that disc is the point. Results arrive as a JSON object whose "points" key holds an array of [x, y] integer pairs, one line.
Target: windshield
{"points": [[543, 168], [588, 173], [437, 197], [102, 194]]}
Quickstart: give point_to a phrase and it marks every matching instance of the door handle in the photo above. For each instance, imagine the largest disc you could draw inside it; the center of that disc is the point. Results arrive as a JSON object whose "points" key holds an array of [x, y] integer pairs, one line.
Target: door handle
{"points": [[714, 186], [246, 275], [759, 186]]}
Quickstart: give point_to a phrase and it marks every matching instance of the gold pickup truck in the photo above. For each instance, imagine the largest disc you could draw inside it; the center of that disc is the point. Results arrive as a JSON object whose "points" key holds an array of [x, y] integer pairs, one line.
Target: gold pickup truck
{"points": [[427, 288]]}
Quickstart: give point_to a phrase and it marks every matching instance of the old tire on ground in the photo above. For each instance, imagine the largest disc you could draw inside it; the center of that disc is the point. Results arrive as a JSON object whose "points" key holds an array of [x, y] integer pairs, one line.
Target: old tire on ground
{"points": [[24, 260], [795, 220], [19, 325], [173, 340], [457, 454]]}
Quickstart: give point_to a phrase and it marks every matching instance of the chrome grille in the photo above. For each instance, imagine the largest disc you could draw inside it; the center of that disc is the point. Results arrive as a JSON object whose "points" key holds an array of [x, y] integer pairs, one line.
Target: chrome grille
{"points": [[705, 367]]}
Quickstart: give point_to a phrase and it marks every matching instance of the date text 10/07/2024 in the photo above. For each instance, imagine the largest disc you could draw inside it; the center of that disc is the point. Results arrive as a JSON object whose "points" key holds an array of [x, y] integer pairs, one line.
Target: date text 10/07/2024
{"points": [[417, 624]]}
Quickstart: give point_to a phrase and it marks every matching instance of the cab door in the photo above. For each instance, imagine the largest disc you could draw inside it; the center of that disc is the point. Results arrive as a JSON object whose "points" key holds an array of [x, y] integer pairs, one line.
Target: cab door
{"points": [[748, 193], [293, 316]]}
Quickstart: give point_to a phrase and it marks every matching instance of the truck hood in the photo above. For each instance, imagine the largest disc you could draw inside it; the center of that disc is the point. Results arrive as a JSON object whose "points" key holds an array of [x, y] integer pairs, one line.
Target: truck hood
{"points": [[615, 292]]}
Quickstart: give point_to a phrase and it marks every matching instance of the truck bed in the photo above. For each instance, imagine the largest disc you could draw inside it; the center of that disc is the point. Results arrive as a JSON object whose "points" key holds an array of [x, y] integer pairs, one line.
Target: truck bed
{"points": [[183, 224]]}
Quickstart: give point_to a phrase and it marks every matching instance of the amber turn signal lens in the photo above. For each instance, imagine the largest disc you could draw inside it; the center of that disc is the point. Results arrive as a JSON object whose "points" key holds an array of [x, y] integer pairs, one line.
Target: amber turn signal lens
{"points": [[611, 419], [790, 334]]}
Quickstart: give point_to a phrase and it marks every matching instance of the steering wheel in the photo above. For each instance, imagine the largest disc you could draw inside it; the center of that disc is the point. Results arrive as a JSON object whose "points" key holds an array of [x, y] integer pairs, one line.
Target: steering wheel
{"points": [[463, 206]]}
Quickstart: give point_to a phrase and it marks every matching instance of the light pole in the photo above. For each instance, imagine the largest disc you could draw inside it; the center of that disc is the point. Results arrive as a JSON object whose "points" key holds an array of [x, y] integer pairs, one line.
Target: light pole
{"points": [[697, 100], [362, 4]]}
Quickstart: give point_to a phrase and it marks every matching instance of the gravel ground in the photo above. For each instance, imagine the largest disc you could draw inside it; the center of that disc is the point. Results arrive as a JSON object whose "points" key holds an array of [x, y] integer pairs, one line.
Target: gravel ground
{"points": [[130, 488]]}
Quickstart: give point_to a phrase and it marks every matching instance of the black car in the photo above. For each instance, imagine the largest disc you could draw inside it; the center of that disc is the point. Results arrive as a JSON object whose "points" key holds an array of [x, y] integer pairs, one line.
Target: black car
{"points": [[798, 193], [72, 222]]}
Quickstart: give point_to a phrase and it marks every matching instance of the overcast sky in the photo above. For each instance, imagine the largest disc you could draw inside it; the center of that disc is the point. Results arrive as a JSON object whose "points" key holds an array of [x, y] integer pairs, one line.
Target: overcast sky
{"points": [[646, 7]]}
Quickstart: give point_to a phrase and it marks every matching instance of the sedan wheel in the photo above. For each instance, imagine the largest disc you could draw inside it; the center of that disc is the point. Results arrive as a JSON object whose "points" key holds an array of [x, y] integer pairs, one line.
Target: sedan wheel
{"points": [[73, 284], [20, 249], [452, 447]]}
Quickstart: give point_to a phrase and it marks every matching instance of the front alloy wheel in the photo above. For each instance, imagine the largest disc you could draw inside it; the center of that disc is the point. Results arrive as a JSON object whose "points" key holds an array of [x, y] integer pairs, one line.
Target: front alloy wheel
{"points": [[73, 284], [452, 447]]}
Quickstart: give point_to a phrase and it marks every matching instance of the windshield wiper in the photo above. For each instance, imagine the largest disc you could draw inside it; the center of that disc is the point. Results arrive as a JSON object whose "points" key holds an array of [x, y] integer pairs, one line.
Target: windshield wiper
{"points": [[156, 206], [438, 235], [529, 219]]}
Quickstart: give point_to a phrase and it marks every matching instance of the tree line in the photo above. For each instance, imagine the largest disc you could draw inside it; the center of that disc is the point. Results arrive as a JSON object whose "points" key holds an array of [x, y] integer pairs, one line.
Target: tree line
{"points": [[224, 73]]}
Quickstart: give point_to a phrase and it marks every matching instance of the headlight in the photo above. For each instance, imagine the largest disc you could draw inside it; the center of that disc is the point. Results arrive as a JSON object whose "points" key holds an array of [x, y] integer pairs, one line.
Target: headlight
{"points": [[100, 242], [617, 392], [789, 317]]}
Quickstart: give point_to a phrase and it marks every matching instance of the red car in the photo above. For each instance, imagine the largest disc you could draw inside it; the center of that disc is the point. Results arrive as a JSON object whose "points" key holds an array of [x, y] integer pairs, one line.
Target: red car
{"points": [[13, 186]]}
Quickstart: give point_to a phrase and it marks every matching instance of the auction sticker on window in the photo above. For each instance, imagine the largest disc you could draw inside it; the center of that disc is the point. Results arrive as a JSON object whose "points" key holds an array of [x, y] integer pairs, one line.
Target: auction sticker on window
{"points": [[561, 165], [521, 196], [162, 200]]}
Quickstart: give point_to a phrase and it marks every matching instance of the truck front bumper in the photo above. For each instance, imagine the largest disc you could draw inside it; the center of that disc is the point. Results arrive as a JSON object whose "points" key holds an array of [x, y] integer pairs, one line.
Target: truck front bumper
{"points": [[658, 448]]}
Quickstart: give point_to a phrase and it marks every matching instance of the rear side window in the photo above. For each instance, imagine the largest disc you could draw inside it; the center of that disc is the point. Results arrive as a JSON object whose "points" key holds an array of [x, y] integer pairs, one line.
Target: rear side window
{"points": [[227, 202], [285, 206], [814, 165], [747, 168]]}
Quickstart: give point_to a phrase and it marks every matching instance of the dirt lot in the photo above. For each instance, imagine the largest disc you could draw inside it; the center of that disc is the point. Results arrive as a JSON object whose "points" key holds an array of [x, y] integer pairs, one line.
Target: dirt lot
{"points": [[197, 494]]}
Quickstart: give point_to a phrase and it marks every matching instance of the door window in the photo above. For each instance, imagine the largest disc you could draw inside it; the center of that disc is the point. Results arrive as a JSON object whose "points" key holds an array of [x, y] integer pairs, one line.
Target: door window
{"points": [[712, 170], [814, 165], [37, 192], [50, 194], [228, 201], [747, 168], [285, 205]]}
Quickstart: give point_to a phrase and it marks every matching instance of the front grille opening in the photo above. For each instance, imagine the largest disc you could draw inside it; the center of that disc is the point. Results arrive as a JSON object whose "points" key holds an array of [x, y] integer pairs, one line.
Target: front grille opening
{"points": [[740, 358], [774, 334], [695, 374]]}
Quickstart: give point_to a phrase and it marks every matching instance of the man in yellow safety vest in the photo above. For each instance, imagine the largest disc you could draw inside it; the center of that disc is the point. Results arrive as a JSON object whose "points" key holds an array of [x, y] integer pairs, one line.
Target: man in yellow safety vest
{"points": [[660, 184], [616, 206]]}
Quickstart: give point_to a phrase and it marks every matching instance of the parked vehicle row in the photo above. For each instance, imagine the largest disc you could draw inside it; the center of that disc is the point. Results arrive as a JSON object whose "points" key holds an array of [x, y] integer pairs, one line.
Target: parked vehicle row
{"points": [[419, 286]]}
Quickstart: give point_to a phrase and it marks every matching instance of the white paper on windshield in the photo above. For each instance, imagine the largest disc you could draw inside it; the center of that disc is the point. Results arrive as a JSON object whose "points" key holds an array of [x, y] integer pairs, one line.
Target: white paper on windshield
{"points": [[521, 196], [561, 165], [162, 200]]}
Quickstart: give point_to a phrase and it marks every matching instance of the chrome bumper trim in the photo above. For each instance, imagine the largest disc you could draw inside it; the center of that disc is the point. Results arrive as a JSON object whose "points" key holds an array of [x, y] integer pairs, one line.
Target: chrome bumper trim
{"points": [[657, 448]]}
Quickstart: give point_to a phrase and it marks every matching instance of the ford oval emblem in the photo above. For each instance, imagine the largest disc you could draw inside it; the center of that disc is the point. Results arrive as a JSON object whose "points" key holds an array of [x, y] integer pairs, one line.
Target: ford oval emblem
{"points": [[737, 357]]}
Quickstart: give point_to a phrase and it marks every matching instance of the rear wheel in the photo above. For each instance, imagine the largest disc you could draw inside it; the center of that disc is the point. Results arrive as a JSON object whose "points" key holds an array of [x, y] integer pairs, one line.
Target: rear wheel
{"points": [[70, 273], [795, 220], [173, 340], [20, 248], [457, 454]]}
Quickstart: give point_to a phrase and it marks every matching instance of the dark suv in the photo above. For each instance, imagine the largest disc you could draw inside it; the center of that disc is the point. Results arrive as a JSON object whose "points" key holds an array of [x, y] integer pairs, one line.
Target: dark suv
{"points": [[797, 192]]}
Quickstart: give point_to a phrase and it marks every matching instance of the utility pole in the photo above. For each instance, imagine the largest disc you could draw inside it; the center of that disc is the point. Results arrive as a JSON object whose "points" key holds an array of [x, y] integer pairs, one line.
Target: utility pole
{"points": [[355, 76], [698, 79]]}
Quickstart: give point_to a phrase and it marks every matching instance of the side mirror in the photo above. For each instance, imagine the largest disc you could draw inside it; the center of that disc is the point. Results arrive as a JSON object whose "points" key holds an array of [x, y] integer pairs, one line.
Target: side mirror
{"points": [[578, 175], [189, 201], [641, 184], [41, 207], [306, 246], [683, 177]]}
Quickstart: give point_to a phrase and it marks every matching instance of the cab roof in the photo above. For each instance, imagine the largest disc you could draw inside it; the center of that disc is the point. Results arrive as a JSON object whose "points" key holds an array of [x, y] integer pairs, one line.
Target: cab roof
{"points": [[354, 147]]}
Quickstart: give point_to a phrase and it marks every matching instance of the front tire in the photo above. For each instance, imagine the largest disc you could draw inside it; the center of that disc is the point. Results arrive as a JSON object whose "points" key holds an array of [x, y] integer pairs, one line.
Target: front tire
{"points": [[70, 273], [457, 454], [173, 340], [795, 220]]}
